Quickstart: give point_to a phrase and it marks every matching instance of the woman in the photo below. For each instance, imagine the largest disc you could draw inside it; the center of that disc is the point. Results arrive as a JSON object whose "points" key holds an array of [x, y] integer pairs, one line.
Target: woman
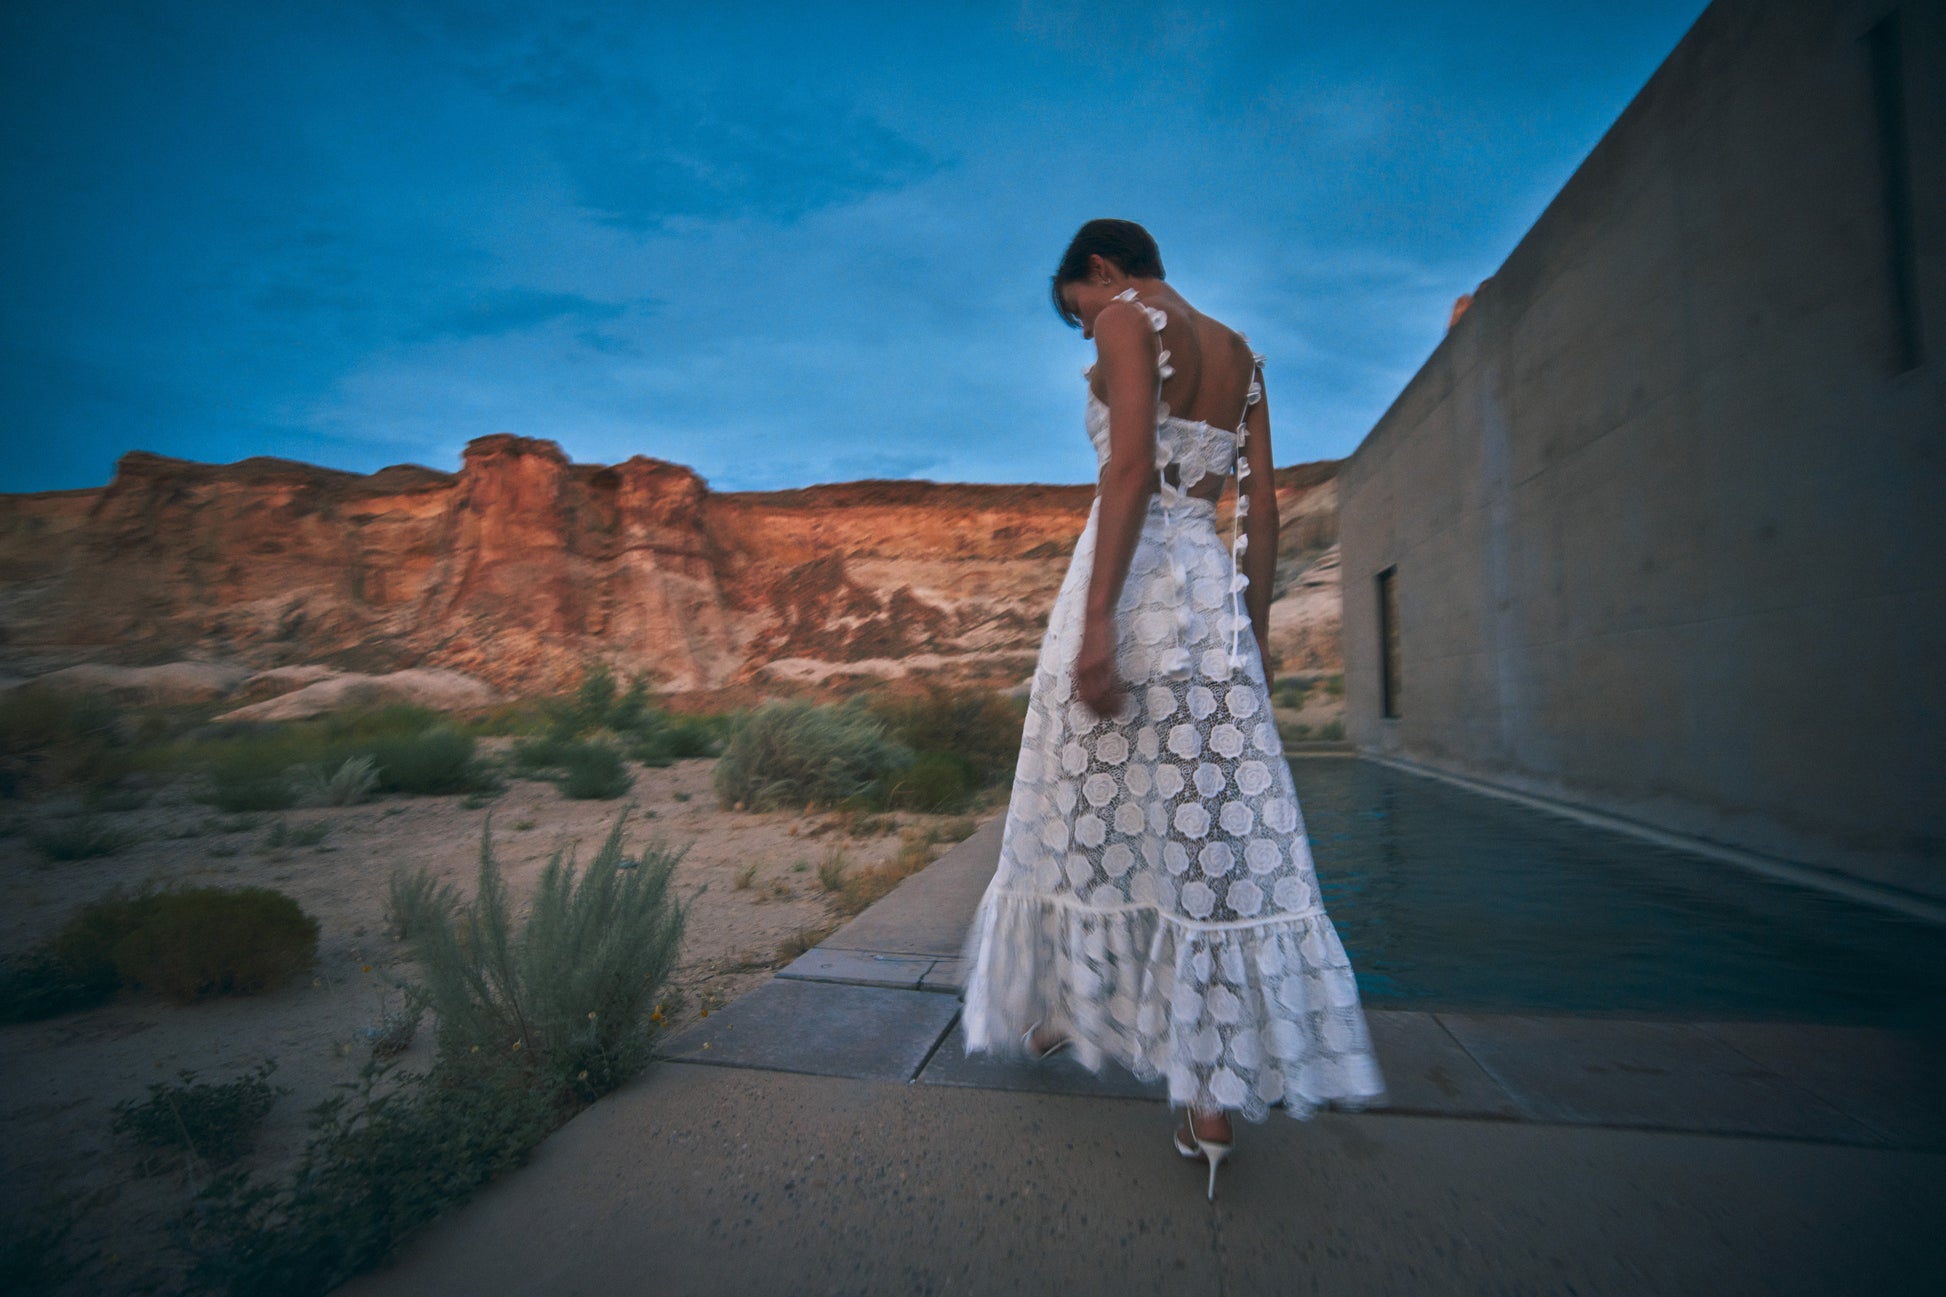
{"points": [[1155, 900]]}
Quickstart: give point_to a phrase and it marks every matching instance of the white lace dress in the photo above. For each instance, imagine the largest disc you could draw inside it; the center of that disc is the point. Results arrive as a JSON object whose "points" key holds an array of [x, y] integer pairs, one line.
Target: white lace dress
{"points": [[1155, 898]]}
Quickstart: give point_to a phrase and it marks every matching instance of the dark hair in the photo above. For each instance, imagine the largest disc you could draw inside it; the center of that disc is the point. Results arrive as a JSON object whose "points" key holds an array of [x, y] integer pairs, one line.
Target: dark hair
{"points": [[1125, 243]]}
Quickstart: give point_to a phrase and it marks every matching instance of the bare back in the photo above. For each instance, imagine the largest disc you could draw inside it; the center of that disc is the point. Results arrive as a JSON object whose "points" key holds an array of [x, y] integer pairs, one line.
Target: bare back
{"points": [[1213, 370]]}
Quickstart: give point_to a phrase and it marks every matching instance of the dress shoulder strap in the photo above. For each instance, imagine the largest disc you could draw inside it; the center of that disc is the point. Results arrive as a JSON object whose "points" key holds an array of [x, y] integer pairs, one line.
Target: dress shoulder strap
{"points": [[1157, 319]]}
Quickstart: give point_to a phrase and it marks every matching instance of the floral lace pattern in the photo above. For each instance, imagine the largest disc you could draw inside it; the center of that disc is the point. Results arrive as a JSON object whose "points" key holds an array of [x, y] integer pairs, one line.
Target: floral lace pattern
{"points": [[1156, 898], [1198, 450]]}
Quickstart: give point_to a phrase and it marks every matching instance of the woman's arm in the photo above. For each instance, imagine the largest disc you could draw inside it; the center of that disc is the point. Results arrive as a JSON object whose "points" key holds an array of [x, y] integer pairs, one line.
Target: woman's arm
{"points": [[1259, 524], [1127, 349]]}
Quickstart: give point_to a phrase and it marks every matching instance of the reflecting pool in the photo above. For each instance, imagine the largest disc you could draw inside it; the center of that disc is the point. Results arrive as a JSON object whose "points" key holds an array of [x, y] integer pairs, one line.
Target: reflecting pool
{"points": [[1448, 898]]}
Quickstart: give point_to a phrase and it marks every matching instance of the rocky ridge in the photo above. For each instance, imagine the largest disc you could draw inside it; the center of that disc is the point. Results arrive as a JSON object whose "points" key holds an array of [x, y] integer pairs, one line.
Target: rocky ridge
{"points": [[523, 566]]}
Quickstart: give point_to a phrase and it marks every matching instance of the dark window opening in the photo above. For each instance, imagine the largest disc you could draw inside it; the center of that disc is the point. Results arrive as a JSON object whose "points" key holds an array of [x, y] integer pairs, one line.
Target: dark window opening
{"points": [[1388, 640], [1885, 50]]}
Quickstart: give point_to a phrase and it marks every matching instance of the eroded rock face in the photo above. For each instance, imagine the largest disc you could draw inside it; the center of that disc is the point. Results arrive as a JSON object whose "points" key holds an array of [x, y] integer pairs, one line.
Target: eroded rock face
{"points": [[523, 566]]}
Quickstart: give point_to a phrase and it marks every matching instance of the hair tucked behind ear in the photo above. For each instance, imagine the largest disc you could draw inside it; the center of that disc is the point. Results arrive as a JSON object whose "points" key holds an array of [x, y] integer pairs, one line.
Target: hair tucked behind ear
{"points": [[1125, 243]]}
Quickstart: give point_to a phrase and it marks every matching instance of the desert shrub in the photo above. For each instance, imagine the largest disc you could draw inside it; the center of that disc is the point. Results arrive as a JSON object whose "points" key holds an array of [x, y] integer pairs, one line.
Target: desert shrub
{"points": [[80, 838], [411, 897], [378, 1166], [1332, 731], [247, 779], [543, 753], [353, 727], [41, 985], [54, 737], [633, 711], [572, 989], [350, 782], [432, 762], [193, 942], [1290, 691], [673, 739], [596, 694], [595, 770], [795, 753], [110, 800], [186, 943], [978, 727], [211, 1125], [1335, 685], [934, 782]]}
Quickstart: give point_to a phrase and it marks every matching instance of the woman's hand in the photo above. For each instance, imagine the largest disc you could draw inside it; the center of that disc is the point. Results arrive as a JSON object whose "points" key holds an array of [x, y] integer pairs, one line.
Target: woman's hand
{"points": [[1095, 680], [1263, 651]]}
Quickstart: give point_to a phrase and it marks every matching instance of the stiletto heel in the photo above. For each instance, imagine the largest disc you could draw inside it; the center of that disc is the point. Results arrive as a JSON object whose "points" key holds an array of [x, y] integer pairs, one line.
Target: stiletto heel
{"points": [[1201, 1147]]}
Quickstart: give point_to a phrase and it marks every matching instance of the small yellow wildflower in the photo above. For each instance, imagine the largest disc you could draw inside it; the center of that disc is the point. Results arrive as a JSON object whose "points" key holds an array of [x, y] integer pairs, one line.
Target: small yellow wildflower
{"points": [[591, 1015], [584, 1073], [476, 1049], [516, 1044], [368, 968]]}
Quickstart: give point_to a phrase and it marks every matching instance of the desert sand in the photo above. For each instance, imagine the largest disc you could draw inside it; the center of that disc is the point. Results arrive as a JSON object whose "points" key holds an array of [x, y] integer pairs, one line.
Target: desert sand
{"points": [[62, 1077]]}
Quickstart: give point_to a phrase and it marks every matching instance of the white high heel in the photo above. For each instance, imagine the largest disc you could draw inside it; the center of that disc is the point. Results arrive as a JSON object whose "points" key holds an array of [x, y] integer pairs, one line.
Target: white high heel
{"points": [[1209, 1148]]}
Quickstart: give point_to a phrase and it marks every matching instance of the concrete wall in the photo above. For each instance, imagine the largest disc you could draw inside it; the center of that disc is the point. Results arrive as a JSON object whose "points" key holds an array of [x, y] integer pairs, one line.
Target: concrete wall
{"points": [[1667, 523]]}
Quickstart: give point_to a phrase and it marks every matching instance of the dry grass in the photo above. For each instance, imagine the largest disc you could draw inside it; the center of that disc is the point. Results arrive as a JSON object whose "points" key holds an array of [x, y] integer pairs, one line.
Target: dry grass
{"points": [[802, 940], [860, 888]]}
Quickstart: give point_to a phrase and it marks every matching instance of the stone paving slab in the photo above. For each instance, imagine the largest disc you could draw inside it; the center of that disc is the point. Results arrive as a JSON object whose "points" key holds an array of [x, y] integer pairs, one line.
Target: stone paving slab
{"points": [[859, 968], [864, 1032], [1666, 1075], [946, 975], [1426, 1070], [1013, 1070], [695, 1180], [1893, 1082]]}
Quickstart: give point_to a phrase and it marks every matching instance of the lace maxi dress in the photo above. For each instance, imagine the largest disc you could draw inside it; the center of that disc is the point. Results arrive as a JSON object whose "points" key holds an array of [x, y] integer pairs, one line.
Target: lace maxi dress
{"points": [[1155, 898]]}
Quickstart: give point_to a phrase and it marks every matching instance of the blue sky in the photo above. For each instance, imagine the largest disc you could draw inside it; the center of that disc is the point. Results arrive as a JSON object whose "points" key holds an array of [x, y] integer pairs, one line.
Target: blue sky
{"points": [[783, 244]]}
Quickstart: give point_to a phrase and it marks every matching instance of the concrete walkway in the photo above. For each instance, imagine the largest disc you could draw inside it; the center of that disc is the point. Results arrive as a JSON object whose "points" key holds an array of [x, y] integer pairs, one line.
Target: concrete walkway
{"points": [[826, 1133]]}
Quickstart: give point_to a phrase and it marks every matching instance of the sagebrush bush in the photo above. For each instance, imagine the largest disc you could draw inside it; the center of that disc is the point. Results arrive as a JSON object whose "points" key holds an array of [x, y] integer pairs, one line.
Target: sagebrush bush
{"points": [[192, 942], [186, 943], [41, 985], [571, 989], [979, 728], [56, 737], [243, 781], [595, 771], [676, 737], [412, 896], [541, 753], [1290, 691], [350, 782], [80, 838], [935, 782], [212, 1124], [794, 752], [377, 1168], [433, 762]]}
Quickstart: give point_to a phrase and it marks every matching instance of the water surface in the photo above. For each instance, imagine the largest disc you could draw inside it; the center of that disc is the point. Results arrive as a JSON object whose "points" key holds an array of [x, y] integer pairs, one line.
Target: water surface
{"points": [[1448, 898]]}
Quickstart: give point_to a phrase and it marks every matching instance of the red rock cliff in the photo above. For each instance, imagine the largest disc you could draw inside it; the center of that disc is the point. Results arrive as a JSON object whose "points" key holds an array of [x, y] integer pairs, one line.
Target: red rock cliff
{"points": [[523, 565]]}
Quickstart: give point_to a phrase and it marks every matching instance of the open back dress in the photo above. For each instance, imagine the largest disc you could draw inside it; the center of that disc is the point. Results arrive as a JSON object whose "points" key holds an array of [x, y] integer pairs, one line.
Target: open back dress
{"points": [[1155, 899]]}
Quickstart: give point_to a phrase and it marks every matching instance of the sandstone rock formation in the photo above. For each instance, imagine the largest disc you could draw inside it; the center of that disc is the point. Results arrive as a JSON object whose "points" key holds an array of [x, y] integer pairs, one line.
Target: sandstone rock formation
{"points": [[523, 566]]}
